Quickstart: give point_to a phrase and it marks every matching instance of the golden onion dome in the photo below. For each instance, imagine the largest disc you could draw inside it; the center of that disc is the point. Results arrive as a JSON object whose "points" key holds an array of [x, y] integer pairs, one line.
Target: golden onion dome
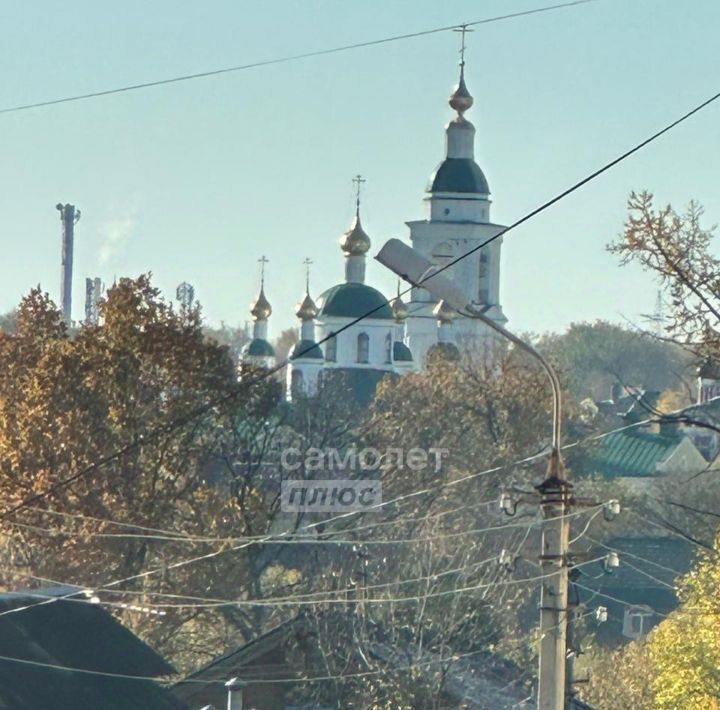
{"points": [[355, 242], [261, 308], [307, 310], [460, 99], [399, 309], [444, 312]]}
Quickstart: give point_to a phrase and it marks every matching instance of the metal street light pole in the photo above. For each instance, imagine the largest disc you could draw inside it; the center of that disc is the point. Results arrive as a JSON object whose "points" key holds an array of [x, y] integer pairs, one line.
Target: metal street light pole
{"points": [[554, 491]]}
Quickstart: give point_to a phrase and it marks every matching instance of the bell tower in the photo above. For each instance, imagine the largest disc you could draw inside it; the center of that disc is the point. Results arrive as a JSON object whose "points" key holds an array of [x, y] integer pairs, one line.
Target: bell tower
{"points": [[457, 221]]}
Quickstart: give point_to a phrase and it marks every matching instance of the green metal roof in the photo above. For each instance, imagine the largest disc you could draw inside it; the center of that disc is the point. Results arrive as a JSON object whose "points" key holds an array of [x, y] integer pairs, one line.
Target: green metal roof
{"points": [[306, 350], [352, 300], [258, 348], [401, 352], [632, 453], [459, 175]]}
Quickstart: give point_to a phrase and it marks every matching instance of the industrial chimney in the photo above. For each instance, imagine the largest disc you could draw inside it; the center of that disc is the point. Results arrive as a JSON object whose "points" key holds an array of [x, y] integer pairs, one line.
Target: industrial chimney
{"points": [[69, 217]]}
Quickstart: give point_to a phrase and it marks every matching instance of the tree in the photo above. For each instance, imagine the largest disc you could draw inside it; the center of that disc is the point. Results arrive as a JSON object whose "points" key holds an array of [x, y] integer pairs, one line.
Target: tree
{"points": [[594, 357], [147, 383], [284, 343], [676, 248], [685, 648]]}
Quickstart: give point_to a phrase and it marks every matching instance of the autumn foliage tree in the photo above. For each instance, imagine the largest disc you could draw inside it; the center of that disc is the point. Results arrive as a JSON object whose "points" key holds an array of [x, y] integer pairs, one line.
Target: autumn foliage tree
{"points": [[151, 412]]}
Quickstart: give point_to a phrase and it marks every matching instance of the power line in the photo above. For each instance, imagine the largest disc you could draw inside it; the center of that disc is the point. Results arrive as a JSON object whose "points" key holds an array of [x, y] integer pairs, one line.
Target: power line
{"points": [[286, 59], [200, 411]]}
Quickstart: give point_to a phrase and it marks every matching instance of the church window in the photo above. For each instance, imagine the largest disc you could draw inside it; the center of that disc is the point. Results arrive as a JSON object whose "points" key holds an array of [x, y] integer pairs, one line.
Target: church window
{"points": [[388, 348], [363, 348], [484, 261], [331, 348]]}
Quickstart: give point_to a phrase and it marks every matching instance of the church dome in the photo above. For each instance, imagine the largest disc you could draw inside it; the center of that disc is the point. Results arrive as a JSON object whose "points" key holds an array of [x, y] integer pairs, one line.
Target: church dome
{"points": [[307, 310], [261, 308], [352, 300], [459, 175], [258, 347], [399, 309], [355, 242], [444, 312], [401, 352], [306, 350]]}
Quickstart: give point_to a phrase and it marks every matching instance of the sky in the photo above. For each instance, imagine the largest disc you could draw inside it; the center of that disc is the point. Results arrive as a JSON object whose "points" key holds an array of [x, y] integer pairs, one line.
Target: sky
{"points": [[196, 180]]}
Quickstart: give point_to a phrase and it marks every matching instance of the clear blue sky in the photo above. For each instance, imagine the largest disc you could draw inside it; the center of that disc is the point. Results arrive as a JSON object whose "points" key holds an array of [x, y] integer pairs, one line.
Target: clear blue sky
{"points": [[195, 181]]}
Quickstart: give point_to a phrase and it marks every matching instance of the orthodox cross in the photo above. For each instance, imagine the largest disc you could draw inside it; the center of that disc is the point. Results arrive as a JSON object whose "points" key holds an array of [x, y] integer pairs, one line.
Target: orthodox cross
{"points": [[463, 29], [358, 180], [307, 263], [262, 261]]}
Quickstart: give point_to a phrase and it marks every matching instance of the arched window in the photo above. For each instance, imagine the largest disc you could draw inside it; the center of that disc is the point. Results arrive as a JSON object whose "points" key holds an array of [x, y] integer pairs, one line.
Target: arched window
{"points": [[331, 349], [388, 348], [363, 348]]}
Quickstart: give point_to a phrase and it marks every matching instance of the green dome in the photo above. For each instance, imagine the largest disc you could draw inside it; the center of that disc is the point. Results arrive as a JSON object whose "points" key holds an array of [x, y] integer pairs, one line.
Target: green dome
{"points": [[258, 348], [353, 300], [459, 175], [306, 350], [401, 352]]}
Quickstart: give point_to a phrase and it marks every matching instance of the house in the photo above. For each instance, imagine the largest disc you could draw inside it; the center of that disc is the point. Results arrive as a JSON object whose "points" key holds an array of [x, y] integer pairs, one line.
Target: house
{"points": [[641, 591], [269, 665], [54, 650], [638, 455]]}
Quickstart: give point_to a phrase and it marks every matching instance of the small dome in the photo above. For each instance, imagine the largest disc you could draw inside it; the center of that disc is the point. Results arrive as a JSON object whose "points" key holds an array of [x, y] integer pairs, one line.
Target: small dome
{"points": [[258, 347], [401, 352], [261, 308], [355, 242], [460, 99], [353, 300], [444, 313], [306, 350], [399, 309], [443, 351], [307, 310], [459, 175]]}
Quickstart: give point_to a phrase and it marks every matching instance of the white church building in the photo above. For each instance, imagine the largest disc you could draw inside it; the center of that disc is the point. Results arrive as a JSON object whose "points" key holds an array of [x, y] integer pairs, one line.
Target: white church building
{"points": [[367, 335]]}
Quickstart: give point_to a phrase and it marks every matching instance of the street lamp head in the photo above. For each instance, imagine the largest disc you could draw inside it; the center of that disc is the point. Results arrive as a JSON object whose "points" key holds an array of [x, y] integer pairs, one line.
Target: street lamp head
{"points": [[411, 266]]}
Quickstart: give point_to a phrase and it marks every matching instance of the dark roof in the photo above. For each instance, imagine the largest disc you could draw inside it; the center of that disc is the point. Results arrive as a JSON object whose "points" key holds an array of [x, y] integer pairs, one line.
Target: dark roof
{"points": [[75, 634], [459, 175], [401, 352], [352, 300], [258, 347], [631, 453], [236, 663], [647, 562], [306, 349]]}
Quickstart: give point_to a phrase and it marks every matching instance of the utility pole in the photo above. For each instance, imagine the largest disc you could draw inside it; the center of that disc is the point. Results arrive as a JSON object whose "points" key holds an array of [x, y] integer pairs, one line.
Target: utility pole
{"points": [[555, 491], [554, 503], [69, 217]]}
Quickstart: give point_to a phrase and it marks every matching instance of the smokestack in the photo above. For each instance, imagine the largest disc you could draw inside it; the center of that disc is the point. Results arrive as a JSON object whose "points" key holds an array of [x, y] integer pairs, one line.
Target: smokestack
{"points": [[69, 217]]}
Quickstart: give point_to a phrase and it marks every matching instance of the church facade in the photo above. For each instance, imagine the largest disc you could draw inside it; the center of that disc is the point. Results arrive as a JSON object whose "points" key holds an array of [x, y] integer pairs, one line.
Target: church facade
{"points": [[355, 330]]}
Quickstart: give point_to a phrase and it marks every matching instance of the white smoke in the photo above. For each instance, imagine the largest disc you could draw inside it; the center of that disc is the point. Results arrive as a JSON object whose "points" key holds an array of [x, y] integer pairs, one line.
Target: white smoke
{"points": [[114, 236]]}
